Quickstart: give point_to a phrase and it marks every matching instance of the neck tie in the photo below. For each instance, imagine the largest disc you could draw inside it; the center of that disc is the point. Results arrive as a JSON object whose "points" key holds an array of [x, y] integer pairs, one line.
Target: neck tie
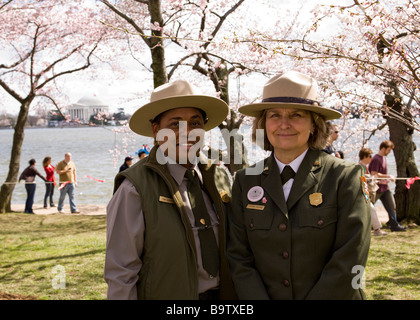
{"points": [[287, 174], [208, 244]]}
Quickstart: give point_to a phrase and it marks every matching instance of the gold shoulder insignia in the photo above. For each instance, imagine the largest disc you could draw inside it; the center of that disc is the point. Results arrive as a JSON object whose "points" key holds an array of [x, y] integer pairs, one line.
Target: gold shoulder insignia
{"points": [[224, 195]]}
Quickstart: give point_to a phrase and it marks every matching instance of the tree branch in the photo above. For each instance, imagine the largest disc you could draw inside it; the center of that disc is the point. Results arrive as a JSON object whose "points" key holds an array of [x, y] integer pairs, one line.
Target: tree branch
{"points": [[51, 66], [5, 4], [222, 20], [54, 103], [10, 91], [88, 63], [15, 64], [129, 20]]}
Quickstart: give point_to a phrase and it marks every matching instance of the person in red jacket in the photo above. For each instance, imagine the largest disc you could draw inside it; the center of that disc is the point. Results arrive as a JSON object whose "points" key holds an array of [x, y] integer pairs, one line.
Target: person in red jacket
{"points": [[50, 183]]}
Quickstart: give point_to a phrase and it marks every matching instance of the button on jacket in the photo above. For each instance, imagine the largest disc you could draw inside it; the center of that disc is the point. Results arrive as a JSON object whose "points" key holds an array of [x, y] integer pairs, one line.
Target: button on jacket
{"points": [[307, 247]]}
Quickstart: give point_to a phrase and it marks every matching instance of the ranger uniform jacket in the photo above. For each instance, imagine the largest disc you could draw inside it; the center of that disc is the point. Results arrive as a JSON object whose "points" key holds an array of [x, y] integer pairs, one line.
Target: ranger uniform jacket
{"points": [[169, 269], [314, 246]]}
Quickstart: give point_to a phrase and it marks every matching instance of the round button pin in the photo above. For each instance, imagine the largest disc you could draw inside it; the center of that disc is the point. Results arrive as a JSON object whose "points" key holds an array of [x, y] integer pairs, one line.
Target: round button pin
{"points": [[255, 194]]}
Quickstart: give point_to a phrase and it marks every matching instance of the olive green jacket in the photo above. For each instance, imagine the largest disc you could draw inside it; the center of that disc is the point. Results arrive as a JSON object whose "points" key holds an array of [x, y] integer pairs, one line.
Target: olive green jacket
{"points": [[169, 269], [300, 249]]}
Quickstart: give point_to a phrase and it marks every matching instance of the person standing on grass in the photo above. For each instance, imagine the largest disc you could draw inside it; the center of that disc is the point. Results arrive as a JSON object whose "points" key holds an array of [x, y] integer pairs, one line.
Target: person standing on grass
{"points": [[67, 182], [29, 175], [378, 168], [365, 157], [166, 220], [50, 183], [300, 227]]}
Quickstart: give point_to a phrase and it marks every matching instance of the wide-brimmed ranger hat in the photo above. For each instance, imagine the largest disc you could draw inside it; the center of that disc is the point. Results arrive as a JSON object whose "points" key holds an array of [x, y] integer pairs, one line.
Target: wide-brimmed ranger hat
{"points": [[177, 94], [290, 90]]}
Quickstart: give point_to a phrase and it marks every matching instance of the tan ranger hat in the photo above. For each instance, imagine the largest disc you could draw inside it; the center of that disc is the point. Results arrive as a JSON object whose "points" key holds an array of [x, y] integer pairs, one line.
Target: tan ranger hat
{"points": [[290, 90], [177, 94]]}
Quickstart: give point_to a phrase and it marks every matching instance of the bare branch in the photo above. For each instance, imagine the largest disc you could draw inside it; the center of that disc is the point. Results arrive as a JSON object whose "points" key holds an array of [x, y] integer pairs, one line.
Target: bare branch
{"points": [[15, 64], [51, 66], [372, 132], [88, 63], [179, 63], [5, 4], [10, 91], [135, 58], [54, 103], [222, 20], [129, 20]]}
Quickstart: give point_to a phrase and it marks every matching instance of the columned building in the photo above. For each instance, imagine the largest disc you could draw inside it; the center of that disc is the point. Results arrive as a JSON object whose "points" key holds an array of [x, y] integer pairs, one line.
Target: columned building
{"points": [[87, 106]]}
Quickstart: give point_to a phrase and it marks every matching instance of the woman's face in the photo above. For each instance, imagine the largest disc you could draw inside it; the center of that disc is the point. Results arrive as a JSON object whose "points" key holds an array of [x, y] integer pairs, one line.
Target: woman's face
{"points": [[182, 140], [288, 130]]}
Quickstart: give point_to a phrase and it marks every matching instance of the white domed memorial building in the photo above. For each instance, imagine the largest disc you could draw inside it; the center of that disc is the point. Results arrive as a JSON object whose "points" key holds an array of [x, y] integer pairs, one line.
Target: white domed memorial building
{"points": [[87, 106]]}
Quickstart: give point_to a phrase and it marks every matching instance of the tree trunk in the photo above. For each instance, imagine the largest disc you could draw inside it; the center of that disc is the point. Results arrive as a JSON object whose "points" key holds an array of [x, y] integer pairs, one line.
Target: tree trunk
{"points": [[7, 188], [157, 50], [401, 134], [235, 145]]}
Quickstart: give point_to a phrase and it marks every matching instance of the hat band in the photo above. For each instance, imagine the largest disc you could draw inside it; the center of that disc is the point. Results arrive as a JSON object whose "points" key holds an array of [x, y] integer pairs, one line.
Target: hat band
{"points": [[291, 100]]}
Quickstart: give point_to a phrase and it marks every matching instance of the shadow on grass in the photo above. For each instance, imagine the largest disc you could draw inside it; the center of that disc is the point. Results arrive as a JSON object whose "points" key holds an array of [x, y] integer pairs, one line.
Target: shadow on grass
{"points": [[40, 227], [393, 271], [386, 286], [53, 258], [34, 275]]}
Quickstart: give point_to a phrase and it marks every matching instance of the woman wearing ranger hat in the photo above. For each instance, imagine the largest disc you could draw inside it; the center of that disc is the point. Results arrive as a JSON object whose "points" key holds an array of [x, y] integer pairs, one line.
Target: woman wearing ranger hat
{"points": [[301, 228], [166, 219]]}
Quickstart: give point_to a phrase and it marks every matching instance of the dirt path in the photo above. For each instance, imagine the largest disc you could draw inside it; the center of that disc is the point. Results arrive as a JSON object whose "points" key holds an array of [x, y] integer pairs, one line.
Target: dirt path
{"points": [[86, 209]]}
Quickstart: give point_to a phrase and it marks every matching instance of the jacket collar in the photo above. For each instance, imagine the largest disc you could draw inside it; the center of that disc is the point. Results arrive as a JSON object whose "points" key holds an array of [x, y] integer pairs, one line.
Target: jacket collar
{"points": [[306, 177], [207, 171]]}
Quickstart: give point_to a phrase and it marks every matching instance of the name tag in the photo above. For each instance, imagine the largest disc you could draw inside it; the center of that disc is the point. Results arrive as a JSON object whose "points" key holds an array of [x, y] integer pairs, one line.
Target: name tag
{"points": [[255, 207], [166, 200]]}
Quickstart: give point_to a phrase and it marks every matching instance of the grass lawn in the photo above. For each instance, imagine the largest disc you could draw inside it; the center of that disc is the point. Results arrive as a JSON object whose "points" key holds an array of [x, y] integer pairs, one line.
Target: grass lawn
{"points": [[36, 250], [393, 268], [33, 247]]}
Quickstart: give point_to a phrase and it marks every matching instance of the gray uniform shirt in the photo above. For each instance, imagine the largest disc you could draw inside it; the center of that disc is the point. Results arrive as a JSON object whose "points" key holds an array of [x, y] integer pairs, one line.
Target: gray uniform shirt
{"points": [[125, 237]]}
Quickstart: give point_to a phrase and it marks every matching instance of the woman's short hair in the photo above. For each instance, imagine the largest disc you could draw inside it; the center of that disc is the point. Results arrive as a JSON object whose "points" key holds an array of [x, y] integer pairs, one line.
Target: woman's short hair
{"points": [[318, 139]]}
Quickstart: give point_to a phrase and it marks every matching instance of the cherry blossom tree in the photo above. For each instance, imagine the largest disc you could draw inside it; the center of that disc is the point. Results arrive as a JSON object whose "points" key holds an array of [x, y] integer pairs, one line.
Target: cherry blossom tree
{"points": [[204, 33], [142, 18], [42, 41]]}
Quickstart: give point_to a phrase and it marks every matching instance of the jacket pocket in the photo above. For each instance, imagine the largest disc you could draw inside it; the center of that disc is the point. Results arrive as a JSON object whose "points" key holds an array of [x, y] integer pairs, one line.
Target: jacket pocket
{"points": [[318, 217], [258, 219]]}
